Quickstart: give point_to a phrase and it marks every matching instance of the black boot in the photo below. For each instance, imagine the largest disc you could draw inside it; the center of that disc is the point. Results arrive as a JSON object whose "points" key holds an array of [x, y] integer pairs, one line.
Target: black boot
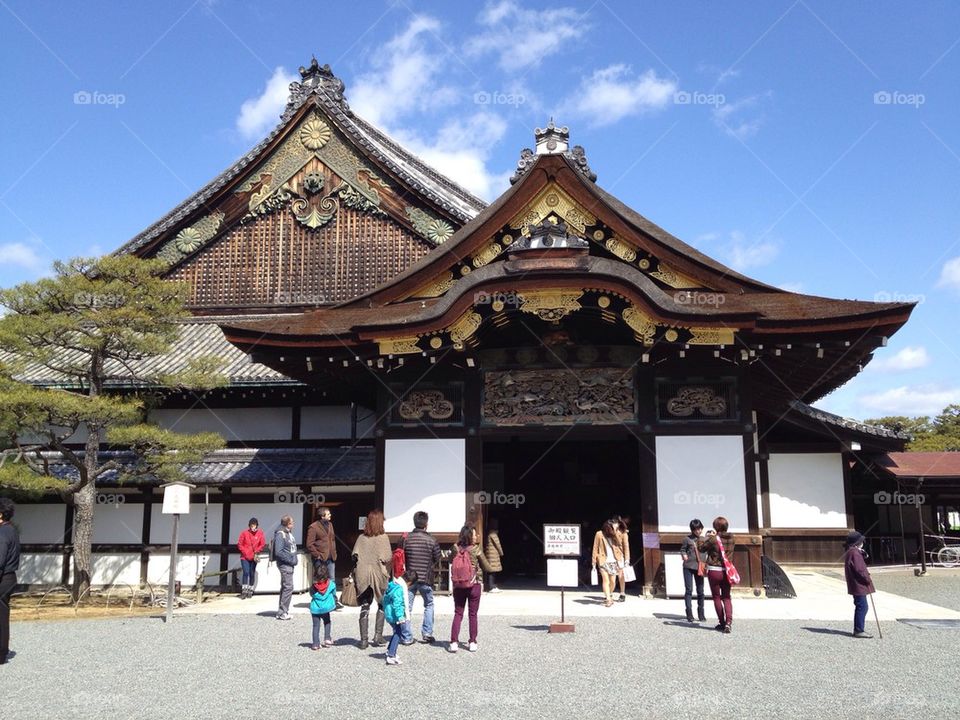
{"points": [[700, 615], [378, 628], [364, 626]]}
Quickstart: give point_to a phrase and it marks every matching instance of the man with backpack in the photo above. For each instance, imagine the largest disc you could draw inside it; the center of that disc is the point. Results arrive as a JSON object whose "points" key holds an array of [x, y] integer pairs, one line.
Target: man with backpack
{"points": [[421, 554], [285, 555]]}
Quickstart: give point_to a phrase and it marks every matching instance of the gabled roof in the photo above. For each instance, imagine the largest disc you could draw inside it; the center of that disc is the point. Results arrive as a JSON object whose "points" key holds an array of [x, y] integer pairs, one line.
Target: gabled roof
{"points": [[319, 87], [944, 465]]}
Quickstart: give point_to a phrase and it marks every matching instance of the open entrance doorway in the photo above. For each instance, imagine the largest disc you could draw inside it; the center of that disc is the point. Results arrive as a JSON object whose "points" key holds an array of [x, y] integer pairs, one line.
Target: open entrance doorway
{"points": [[530, 482]]}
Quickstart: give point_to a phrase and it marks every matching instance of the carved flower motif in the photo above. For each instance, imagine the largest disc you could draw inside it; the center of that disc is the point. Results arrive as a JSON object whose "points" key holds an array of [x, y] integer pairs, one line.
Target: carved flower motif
{"points": [[439, 231], [188, 240], [314, 134]]}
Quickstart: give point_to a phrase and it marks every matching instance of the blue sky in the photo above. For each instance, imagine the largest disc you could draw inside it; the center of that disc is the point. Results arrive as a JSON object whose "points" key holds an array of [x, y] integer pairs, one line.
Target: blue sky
{"points": [[813, 145]]}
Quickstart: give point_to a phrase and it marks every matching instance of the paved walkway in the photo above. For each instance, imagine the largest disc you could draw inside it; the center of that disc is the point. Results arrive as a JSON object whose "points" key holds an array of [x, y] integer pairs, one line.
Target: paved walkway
{"points": [[821, 595]]}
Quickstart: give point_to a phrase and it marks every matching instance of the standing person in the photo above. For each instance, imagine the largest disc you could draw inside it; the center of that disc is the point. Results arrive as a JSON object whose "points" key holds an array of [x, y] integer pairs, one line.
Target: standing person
{"points": [[494, 553], [717, 573], [9, 564], [322, 544], [250, 543], [691, 570], [285, 555], [467, 584], [622, 526], [859, 582], [607, 555], [422, 553], [397, 612], [323, 601], [372, 560]]}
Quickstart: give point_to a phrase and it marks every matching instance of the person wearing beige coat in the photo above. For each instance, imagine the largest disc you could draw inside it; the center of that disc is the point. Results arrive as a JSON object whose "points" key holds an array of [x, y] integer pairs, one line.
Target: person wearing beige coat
{"points": [[494, 552], [609, 557], [372, 556]]}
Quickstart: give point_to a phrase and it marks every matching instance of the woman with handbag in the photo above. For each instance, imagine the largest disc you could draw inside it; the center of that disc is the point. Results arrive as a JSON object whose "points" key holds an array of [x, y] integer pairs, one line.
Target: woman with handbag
{"points": [[694, 570], [372, 557], [608, 556], [718, 549]]}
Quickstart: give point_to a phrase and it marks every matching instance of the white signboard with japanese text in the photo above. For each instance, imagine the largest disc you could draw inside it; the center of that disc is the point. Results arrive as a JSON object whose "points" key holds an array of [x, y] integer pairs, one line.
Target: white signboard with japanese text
{"points": [[561, 540]]}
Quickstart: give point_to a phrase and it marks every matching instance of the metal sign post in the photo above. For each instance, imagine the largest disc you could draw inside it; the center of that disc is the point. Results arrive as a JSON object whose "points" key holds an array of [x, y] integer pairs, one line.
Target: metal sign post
{"points": [[561, 546], [176, 501]]}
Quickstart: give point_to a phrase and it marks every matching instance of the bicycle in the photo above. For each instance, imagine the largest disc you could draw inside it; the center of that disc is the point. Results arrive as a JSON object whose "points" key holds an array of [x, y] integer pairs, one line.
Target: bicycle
{"points": [[947, 554]]}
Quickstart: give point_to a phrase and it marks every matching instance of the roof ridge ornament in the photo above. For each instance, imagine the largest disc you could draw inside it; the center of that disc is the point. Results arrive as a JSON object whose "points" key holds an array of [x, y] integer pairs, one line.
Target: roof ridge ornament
{"points": [[317, 79], [553, 140], [548, 234]]}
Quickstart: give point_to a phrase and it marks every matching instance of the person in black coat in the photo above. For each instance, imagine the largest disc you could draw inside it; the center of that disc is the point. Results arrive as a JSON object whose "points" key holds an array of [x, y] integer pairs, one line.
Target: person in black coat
{"points": [[9, 564]]}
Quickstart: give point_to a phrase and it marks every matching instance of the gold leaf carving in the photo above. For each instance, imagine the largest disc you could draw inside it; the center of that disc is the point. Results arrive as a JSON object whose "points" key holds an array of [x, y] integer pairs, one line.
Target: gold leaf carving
{"points": [[621, 249], [551, 305], [553, 201], [673, 278], [398, 345], [641, 323], [466, 326], [436, 287], [315, 133], [487, 254], [712, 336]]}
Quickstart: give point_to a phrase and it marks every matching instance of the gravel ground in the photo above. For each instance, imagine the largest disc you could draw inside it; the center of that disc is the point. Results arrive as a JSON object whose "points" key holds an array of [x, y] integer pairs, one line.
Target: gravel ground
{"points": [[938, 586], [242, 666]]}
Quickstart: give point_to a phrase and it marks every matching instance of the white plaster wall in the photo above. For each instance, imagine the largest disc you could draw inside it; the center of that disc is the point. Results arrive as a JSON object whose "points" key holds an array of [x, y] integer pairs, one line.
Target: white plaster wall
{"points": [[40, 523], [189, 566], [324, 422], [701, 476], [116, 568], [191, 525], [262, 423], [268, 514], [40, 568], [118, 523], [425, 474], [806, 490]]}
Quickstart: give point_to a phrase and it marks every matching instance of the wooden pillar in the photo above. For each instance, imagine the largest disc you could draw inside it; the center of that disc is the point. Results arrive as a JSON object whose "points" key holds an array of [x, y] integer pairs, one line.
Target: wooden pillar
{"points": [[649, 514]]}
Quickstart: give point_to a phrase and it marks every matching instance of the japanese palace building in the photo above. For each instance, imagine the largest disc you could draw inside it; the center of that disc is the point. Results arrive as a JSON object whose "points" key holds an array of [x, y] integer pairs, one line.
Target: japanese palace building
{"points": [[553, 357]]}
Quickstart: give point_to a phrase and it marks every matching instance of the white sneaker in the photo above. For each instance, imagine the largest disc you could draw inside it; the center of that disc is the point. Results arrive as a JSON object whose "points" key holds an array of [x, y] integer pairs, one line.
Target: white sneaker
{"points": [[496, 589], [394, 660], [472, 647], [453, 647], [283, 616]]}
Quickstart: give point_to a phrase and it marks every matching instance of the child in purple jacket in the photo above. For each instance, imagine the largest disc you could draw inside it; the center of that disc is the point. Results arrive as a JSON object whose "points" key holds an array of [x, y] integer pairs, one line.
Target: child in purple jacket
{"points": [[859, 583]]}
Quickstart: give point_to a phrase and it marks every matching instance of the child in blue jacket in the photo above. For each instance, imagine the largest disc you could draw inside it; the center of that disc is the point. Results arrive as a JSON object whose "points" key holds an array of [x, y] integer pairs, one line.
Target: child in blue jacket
{"points": [[323, 600], [396, 612]]}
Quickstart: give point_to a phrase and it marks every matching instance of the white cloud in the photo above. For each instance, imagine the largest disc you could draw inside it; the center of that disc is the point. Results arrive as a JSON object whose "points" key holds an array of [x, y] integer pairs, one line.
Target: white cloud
{"points": [[522, 37], [612, 93], [911, 400], [738, 118], [794, 287], [742, 254], [405, 76], [20, 255], [260, 114], [950, 275], [461, 151], [909, 358]]}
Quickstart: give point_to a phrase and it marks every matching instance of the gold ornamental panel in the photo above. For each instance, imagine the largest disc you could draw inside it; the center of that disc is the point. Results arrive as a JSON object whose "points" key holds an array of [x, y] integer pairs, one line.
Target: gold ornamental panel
{"points": [[466, 326], [712, 336], [398, 346], [551, 305], [641, 323], [553, 201]]}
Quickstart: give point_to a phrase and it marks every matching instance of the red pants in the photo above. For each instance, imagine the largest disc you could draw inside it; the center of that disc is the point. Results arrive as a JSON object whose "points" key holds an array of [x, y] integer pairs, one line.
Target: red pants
{"points": [[720, 589], [461, 596]]}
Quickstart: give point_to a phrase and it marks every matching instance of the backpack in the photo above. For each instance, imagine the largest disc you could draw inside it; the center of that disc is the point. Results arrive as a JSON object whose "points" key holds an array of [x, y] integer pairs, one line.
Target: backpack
{"points": [[462, 573], [400, 558]]}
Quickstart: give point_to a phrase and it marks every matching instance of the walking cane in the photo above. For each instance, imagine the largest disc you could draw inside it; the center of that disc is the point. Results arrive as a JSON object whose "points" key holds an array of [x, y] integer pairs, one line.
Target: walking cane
{"points": [[876, 617]]}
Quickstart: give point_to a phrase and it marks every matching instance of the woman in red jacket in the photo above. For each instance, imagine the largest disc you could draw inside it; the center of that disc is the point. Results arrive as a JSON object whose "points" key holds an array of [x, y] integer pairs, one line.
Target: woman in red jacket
{"points": [[250, 543]]}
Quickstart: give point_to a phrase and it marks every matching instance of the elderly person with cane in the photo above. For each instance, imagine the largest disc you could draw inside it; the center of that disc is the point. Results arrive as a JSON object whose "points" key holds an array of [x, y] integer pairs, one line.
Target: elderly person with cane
{"points": [[859, 583]]}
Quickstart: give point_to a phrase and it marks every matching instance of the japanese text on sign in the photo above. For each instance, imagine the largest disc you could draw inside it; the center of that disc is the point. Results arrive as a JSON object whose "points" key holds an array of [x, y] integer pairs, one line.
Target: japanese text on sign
{"points": [[562, 540]]}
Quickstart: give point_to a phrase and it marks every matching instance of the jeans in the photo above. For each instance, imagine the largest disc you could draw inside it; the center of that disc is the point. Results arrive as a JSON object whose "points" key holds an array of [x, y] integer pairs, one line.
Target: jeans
{"points": [[399, 630], [286, 588], [461, 596], [860, 612], [249, 571], [7, 583], [325, 617], [720, 588], [426, 590], [689, 578]]}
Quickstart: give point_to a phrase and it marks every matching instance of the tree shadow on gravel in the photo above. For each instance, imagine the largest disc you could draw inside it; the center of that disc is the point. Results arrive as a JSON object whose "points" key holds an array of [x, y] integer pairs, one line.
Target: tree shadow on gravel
{"points": [[536, 628], [826, 631]]}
